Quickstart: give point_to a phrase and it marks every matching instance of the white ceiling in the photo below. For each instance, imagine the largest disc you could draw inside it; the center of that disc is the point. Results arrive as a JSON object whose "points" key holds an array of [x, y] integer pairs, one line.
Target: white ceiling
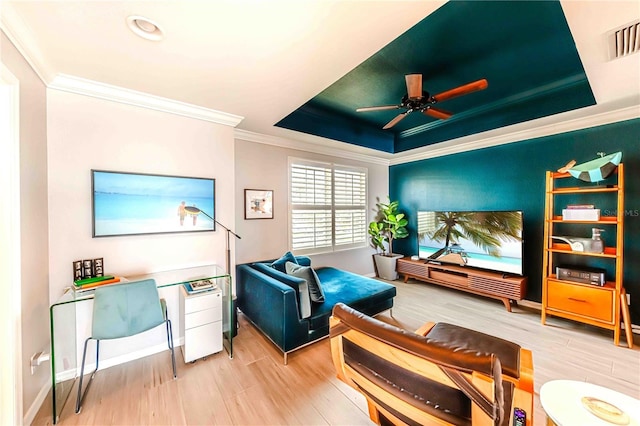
{"points": [[263, 59]]}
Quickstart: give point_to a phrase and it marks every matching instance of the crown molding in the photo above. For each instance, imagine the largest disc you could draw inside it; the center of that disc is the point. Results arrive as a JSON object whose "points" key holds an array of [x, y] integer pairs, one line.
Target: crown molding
{"points": [[318, 146], [18, 34], [584, 118], [121, 95]]}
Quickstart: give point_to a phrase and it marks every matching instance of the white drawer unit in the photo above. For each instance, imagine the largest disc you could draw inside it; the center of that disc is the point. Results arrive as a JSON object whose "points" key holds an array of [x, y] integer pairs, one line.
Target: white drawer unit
{"points": [[201, 324]]}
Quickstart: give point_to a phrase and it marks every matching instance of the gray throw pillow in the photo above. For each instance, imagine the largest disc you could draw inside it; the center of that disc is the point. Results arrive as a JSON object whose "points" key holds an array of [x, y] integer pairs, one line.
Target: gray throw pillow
{"points": [[313, 282]]}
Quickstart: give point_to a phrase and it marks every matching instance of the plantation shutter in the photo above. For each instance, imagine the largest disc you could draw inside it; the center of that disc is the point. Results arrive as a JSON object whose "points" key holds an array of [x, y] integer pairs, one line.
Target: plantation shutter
{"points": [[328, 207], [310, 207], [350, 197]]}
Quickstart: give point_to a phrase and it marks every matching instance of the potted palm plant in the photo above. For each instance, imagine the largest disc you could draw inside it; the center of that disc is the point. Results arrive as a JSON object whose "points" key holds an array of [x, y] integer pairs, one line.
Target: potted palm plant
{"points": [[388, 225]]}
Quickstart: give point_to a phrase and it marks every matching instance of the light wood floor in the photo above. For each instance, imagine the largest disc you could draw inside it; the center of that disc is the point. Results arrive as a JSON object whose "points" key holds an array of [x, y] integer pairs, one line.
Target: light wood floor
{"points": [[255, 388]]}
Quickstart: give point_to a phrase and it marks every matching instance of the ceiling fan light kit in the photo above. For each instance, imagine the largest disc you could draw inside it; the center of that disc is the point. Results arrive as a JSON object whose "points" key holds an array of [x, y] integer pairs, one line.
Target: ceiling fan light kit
{"points": [[417, 99]]}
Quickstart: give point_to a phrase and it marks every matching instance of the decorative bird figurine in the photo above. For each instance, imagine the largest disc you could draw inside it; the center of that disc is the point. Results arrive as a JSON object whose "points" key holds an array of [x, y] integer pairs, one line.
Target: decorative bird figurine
{"points": [[598, 169]]}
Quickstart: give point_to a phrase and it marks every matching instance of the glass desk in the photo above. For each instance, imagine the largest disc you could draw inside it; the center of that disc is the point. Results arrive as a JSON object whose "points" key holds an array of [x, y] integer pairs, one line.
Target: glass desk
{"points": [[64, 321]]}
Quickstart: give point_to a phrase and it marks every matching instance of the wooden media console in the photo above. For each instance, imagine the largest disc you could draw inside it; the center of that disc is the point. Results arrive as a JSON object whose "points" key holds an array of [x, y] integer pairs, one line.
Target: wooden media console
{"points": [[505, 287]]}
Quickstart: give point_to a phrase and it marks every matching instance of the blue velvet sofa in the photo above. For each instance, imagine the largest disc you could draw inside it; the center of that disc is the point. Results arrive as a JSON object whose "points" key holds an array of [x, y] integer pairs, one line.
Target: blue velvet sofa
{"points": [[269, 299]]}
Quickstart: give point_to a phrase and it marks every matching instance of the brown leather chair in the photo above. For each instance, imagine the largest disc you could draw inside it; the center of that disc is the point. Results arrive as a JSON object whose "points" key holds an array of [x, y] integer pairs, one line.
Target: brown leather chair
{"points": [[443, 374]]}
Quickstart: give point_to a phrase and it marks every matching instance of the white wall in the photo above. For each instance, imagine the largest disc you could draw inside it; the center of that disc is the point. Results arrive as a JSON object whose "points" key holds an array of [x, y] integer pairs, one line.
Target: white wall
{"points": [[262, 166], [87, 133], [33, 220], [10, 312]]}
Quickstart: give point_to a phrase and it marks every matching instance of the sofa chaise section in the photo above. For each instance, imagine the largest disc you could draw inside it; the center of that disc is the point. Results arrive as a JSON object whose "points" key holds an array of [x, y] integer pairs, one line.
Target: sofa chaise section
{"points": [[269, 299]]}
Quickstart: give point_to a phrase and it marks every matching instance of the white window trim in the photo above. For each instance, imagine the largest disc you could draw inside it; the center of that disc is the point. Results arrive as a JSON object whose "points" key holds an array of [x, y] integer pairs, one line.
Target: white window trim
{"points": [[333, 248]]}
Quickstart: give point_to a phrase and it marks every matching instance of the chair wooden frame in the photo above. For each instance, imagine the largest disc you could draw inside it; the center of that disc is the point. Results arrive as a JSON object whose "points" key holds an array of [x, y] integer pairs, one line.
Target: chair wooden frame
{"points": [[384, 407]]}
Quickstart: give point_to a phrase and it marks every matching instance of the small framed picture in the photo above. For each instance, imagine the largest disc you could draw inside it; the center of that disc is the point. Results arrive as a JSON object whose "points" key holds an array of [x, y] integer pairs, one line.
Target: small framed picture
{"points": [[87, 268], [258, 204], [77, 270], [98, 270]]}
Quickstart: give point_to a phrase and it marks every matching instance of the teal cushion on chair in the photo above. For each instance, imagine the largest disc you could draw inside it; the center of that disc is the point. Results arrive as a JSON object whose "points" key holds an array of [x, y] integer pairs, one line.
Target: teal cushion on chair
{"points": [[126, 309], [278, 264]]}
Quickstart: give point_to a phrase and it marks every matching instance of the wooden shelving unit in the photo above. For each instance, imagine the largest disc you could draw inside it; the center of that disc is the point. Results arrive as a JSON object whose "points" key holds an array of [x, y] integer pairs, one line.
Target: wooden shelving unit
{"points": [[601, 306]]}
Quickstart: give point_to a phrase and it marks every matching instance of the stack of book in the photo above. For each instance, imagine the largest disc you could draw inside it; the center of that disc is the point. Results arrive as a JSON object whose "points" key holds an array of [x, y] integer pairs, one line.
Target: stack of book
{"points": [[580, 212], [92, 283], [197, 286]]}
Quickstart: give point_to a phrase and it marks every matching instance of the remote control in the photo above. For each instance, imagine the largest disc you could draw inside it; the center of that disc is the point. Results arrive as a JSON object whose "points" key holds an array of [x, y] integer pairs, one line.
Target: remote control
{"points": [[519, 417]]}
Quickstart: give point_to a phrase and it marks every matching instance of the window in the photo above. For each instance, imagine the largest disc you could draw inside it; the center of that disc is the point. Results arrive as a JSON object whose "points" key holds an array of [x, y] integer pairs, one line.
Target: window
{"points": [[328, 205]]}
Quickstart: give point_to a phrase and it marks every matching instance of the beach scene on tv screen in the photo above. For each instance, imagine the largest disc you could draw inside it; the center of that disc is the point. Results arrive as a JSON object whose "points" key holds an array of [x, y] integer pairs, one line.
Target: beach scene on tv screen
{"points": [[487, 240], [126, 203]]}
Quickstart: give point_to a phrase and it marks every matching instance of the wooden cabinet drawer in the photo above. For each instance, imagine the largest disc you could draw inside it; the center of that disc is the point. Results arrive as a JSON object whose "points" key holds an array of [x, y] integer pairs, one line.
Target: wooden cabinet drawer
{"points": [[412, 268], [592, 302]]}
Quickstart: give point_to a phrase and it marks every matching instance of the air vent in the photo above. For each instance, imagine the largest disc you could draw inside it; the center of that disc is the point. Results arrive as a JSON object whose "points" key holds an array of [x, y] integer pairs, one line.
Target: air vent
{"points": [[624, 41]]}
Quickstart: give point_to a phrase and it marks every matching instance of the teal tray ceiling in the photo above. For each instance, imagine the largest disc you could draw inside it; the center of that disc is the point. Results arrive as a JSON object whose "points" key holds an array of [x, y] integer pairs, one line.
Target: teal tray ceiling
{"points": [[523, 48]]}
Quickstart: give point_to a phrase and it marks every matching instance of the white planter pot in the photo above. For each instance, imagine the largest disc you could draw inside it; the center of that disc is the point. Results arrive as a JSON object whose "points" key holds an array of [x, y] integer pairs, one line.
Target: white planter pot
{"points": [[386, 266]]}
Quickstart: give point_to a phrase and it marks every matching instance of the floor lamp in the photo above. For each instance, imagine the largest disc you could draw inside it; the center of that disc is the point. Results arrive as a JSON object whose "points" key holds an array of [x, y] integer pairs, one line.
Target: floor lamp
{"points": [[233, 319], [195, 210]]}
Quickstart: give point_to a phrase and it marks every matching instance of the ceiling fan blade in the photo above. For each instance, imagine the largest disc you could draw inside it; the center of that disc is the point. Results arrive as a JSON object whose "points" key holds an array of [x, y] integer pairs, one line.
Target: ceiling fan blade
{"points": [[396, 120], [461, 90], [437, 113], [378, 108], [414, 85]]}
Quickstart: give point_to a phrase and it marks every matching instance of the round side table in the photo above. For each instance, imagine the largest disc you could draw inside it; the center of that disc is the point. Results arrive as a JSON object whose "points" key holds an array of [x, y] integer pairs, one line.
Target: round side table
{"points": [[569, 403]]}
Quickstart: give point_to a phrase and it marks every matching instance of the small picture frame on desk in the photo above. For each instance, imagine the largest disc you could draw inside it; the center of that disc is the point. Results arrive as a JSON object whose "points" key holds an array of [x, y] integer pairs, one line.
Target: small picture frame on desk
{"points": [[77, 270], [87, 268], [98, 269]]}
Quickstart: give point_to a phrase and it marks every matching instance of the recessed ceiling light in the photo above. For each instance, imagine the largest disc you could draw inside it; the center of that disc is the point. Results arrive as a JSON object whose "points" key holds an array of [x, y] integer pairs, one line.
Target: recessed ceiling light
{"points": [[145, 28]]}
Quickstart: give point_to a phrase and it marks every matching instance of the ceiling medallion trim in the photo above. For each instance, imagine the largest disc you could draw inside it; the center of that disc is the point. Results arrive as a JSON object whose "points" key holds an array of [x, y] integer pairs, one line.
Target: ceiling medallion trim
{"points": [[104, 91], [598, 115], [319, 147]]}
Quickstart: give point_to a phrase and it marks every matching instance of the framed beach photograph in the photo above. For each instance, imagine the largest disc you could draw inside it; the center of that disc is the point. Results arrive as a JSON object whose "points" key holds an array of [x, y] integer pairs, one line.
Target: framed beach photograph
{"points": [[258, 204], [126, 203]]}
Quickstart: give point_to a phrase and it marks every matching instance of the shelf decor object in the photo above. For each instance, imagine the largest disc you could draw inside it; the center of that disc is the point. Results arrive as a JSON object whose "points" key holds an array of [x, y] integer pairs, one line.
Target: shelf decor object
{"points": [[566, 297], [598, 169]]}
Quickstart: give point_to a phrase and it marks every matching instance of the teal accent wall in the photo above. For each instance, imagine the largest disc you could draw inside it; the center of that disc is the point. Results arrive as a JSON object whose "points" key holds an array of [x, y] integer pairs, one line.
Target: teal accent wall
{"points": [[512, 177]]}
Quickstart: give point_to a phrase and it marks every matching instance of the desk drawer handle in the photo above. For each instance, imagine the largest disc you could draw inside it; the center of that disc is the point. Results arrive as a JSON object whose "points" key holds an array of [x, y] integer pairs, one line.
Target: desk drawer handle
{"points": [[578, 300]]}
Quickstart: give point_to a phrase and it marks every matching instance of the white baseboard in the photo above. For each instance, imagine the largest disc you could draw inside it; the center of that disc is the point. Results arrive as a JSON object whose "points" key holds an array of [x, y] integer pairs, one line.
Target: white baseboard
{"points": [[117, 360], [121, 359], [37, 403]]}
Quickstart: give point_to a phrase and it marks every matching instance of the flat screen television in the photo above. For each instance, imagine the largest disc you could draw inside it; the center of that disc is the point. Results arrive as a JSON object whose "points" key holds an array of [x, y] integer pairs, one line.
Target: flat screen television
{"points": [[481, 239]]}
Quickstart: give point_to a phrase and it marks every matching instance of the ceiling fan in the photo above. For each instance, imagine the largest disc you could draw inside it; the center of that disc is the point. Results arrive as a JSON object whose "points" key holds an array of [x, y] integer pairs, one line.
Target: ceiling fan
{"points": [[418, 100]]}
